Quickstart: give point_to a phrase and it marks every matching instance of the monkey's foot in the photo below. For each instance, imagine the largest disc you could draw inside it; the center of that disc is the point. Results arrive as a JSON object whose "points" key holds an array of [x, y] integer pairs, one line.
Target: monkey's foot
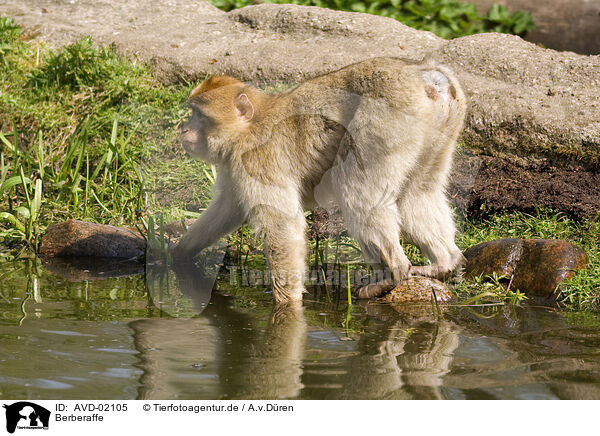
{"points": [[376, 289], [435, 272]]}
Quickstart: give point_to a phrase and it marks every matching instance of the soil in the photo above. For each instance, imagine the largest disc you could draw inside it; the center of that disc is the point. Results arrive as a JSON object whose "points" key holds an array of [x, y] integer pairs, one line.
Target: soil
{"points": [[483, 185]]}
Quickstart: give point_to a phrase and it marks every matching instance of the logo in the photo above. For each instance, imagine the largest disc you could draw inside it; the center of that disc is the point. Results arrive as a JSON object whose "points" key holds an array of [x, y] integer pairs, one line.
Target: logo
{"points": [[26, 415]]}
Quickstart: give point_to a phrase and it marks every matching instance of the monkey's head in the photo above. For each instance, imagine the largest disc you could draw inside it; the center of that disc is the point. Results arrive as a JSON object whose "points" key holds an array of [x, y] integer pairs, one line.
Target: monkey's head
{"points": [[222, 108]]}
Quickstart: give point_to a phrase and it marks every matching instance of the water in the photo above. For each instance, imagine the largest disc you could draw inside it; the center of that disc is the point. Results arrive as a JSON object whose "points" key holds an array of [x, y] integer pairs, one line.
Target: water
{"points": [[167, 336]]}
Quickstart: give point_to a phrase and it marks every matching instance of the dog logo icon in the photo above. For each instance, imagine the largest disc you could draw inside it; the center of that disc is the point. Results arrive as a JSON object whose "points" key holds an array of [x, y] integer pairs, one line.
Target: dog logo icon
{"points": [[26, 415]]}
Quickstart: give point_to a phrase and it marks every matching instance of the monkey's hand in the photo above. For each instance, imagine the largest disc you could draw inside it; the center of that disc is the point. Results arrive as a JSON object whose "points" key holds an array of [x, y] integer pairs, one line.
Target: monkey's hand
{"points": [[183, 252]]}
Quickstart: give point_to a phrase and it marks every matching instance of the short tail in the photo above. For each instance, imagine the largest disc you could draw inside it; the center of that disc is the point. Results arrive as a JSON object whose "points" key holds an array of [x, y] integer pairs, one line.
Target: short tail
{"points": [[442, 86]]}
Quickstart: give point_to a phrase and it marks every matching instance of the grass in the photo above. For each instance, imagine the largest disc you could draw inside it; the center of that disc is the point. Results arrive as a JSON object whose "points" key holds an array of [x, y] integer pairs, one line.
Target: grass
{"points": [[88, 134]]}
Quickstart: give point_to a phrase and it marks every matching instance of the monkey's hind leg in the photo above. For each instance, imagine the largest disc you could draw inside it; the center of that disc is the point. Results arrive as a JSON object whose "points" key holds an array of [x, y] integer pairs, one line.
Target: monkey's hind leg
{"points": [[377, 232], [428, 223]]}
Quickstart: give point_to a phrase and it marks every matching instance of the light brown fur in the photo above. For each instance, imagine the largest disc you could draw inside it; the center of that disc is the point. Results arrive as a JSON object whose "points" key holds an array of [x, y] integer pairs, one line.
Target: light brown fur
{"points": [[376, 138]]}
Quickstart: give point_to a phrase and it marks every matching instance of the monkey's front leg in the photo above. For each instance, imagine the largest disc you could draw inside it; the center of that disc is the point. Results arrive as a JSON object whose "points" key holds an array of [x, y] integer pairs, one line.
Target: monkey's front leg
{"points": [[222, 217], [285, 248]]}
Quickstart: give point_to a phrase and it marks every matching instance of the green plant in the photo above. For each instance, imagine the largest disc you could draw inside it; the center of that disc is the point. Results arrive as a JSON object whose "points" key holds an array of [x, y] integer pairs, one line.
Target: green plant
{"points": [[348, 284], [9, 30], [499, 19], [446, 18], [158, 245], [9, 37], [23, 217], [488, 290], [77, 65], [86, 128], [212, 175]]}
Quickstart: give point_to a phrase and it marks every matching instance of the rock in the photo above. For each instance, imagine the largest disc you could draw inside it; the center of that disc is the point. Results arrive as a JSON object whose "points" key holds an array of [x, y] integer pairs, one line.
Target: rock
{"points": [[520, 96], [418, 290], [186, 39], [545, 264], [412, 299], [536, 266], [499, 256], [80, 238]]}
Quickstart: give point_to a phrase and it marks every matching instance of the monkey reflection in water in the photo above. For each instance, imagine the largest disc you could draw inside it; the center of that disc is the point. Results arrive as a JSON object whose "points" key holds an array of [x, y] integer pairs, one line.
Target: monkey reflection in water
{"points": [[401, 355], [250, 362], [375, 138], [397, 357]]}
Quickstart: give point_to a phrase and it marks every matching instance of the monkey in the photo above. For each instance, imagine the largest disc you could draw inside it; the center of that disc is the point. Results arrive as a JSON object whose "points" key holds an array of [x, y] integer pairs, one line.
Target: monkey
{"points": [[375, 138]]}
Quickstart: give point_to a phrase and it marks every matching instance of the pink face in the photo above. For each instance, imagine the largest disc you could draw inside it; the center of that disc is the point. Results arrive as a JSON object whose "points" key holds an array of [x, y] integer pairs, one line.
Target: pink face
{"points": [[194, 135]]}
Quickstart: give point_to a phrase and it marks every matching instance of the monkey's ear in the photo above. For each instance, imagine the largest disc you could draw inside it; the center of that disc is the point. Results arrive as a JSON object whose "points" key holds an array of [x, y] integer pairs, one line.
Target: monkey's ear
{"points": [[244, 107]]}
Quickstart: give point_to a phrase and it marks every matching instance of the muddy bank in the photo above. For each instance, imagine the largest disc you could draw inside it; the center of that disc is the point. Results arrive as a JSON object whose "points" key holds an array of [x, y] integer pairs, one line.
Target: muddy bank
{"points": [[481, 186]]}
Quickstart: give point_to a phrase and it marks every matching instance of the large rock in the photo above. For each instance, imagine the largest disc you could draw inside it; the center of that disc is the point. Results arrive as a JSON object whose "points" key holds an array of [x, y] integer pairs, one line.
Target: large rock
{"points": [[525, 101], [191, 38], [536, 267]]}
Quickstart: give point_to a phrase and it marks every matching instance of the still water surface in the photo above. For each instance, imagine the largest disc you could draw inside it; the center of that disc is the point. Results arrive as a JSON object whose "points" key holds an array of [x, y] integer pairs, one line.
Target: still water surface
{"points": [[161, 336]]}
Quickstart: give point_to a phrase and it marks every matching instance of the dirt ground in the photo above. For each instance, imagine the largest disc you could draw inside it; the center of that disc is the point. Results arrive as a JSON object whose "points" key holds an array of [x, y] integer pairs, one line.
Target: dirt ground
{"points": [[482, 185]]}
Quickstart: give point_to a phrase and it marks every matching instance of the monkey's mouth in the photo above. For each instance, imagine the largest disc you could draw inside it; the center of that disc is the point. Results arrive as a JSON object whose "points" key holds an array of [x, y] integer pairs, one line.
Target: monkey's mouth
{"points": [[193, 149], [187, 146]]}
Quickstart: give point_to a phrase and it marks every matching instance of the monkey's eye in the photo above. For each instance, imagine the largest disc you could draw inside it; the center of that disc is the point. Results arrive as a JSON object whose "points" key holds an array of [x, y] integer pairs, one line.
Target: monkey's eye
{"points": [[197, 110]]}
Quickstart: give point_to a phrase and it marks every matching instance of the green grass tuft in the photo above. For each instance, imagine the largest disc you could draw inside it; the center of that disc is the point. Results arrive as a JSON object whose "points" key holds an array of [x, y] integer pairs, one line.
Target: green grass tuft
{"points": [[445, 18], [90, 131]]}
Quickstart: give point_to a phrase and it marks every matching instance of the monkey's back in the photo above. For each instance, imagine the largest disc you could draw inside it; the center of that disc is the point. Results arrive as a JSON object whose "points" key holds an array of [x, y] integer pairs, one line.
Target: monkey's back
{"points": [[382, 77], [371, 109]]}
